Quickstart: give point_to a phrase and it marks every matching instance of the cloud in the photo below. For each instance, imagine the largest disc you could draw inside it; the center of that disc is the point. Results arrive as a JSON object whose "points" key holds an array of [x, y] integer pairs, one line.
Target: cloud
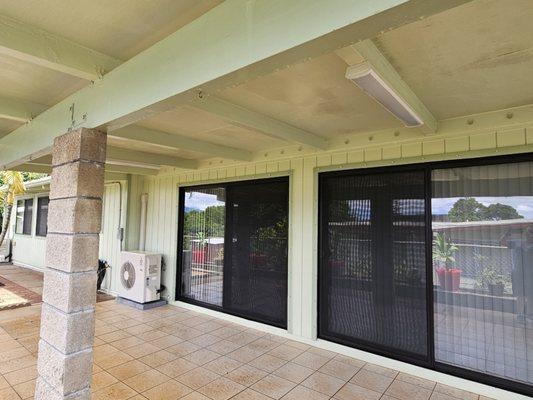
{"points": [[200, 201]]}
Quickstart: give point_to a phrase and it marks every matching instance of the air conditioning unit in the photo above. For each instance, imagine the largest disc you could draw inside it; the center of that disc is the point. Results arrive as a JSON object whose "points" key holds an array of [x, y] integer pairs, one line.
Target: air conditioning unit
{"points": [[140, 276]]}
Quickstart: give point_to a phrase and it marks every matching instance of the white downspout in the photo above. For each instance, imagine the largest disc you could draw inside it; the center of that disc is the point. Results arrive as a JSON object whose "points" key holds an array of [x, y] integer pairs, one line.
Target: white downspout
{"points": [[142, 229]]}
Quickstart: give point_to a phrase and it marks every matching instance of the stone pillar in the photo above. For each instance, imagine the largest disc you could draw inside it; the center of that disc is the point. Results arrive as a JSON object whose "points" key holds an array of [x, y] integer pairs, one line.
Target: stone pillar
{"points": [[69, 293]]}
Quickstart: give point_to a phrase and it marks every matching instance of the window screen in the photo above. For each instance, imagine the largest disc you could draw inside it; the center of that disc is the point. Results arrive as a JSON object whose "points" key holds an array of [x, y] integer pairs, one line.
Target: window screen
{"points": [[483, 268], [234, 248], [42, 216], [202, 265], [24, 214], [257, 265], [19, 217], [373, 262]]}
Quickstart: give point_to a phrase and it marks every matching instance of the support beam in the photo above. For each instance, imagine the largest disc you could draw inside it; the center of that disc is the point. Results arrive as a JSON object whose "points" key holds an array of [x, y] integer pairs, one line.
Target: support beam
{"points": [[256, 121], [66, 341], [37, 168], [151, 136], [115, 154], [120, 156], [128, 169], [379, 63], [34, 45], [18, 110], [111, 169], [153, 81]]}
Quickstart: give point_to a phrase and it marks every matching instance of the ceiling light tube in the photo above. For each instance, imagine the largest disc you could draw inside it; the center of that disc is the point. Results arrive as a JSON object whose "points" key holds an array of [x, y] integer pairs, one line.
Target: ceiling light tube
{"points": [[376, 87]]}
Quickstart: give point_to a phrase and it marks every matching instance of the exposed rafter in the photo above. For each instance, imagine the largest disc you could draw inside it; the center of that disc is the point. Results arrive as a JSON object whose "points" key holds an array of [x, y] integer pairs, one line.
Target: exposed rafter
{"points": [[111, 169], [128, 169], [379, 63], [37, 168], [39, 47], [256, 121], [117, 155], [120, 156], [153, 80], [18, 110], [151, 136]]}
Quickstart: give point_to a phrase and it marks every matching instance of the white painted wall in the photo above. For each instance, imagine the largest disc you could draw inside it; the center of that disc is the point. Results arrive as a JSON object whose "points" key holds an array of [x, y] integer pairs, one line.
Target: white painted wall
{"points": [[113, 219], [29, 250]]}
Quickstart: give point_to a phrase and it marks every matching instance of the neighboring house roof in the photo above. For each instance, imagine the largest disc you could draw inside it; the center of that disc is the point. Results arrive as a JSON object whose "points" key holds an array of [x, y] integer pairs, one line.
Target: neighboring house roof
{"points": [[515, 223]]}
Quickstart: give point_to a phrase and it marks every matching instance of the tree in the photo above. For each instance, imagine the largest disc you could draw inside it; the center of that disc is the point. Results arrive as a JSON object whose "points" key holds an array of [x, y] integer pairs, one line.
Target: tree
{"points": [[467, 209], [13, 185], [498, 212]]}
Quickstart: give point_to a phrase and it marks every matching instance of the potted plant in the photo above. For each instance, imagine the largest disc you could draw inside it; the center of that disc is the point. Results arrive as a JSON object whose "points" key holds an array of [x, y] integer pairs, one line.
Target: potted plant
{"points": [[444, 256], [493, 279]]}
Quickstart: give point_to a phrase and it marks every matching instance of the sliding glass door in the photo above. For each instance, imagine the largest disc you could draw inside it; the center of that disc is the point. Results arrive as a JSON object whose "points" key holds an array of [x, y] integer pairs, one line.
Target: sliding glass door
{"points": [[483, 266], [234, 248], [373, 262], [432, 264]]}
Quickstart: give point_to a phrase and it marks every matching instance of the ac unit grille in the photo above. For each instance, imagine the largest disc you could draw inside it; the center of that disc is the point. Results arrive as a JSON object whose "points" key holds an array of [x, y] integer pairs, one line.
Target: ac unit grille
{"points": [[127, 275]]}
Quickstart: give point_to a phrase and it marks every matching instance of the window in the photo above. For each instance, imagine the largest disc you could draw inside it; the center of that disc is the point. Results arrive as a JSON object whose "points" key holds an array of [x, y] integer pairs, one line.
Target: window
{"points": [[24, 216], [234, 248], [432, 264], [42, 216], [373, 262], [483, 268]]}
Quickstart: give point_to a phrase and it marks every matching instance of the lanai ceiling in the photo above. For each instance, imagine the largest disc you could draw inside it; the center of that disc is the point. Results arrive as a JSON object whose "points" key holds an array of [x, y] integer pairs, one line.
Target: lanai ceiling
{"points": [[471, 59]]}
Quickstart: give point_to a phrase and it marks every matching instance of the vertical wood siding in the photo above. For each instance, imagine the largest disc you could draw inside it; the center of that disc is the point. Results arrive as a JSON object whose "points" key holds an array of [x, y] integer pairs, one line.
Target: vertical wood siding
{"points": [[303, 168]]}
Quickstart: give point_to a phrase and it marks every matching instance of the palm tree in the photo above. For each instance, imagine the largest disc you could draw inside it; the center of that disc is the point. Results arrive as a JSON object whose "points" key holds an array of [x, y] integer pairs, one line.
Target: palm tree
{"points": [[13, 186]]}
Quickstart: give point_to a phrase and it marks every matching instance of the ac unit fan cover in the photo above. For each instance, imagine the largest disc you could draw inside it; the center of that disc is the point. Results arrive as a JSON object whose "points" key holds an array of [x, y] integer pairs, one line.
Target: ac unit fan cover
{"points": [[127, 275]]}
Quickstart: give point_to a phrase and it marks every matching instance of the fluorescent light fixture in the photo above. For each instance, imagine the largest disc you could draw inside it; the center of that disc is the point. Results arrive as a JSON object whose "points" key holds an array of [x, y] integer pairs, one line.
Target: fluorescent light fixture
{"points": [[368, 80]]}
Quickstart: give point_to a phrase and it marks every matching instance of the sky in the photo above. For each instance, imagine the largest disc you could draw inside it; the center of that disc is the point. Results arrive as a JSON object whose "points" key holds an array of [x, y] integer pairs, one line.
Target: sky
{"points": [[200, 201], [522, 204]]}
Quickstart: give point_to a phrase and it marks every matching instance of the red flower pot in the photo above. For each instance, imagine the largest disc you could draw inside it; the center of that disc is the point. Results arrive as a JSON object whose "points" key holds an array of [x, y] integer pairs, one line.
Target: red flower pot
{"points": [[453, 279], [198, 256], [449, 279]]}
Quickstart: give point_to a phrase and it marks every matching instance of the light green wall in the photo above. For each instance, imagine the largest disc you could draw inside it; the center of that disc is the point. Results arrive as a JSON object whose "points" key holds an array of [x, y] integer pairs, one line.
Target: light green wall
{"points": [[303, 170]]}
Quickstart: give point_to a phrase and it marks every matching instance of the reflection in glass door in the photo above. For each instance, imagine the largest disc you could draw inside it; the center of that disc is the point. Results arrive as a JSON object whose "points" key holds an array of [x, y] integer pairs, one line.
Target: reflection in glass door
{"points": [[373, 262], [483, 269], [204, 216]]}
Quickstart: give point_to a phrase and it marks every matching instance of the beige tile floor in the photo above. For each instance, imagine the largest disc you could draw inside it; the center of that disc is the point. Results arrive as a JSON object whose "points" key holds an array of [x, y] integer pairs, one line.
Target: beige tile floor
{"points": [[25, 277], [171, 353]]}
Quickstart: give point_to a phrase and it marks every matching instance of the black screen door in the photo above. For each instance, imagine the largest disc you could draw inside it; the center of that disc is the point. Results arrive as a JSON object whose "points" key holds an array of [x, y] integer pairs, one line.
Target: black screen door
{"points": [[257, 248], [234, 248], [372, 268]]}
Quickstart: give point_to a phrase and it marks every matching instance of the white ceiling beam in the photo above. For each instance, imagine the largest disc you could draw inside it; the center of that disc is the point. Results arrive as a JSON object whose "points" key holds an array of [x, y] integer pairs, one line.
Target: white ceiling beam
{"points": [[37, 168], [213, 52], [18, 110], [256, 121], [159, 138], [109, 169], [129, 169], [117, 154], [34, 45], [379, 63], [142, 159]]}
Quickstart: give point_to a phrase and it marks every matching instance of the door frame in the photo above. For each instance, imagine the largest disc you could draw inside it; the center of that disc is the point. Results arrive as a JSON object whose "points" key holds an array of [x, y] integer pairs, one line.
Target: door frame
{"points": [[179, 258], [431, 363], [360, 343]]}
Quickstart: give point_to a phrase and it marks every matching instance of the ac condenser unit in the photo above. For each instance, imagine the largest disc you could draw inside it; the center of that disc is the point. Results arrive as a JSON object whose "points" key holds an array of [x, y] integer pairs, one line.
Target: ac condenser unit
{"points": [[140, 276]]}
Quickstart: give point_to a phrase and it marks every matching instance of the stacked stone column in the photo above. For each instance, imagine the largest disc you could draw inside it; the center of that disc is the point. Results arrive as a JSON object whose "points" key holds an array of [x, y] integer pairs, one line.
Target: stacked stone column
{"points": [[69, 293]]}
